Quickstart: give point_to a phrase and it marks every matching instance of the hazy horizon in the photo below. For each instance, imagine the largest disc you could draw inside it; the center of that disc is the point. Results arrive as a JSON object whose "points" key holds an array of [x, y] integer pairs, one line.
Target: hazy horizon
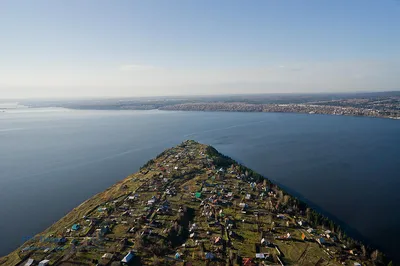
{"points": [[183, 96], [104, 49]]}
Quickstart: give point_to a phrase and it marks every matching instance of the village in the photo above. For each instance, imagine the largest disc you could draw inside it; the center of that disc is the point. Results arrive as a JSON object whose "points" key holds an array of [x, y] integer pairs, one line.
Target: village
{"points": [[192, 206]]}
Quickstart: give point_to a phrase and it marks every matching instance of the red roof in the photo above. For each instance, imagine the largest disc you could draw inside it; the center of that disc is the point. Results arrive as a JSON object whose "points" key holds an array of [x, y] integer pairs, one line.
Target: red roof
{"points": [[247, 262]]}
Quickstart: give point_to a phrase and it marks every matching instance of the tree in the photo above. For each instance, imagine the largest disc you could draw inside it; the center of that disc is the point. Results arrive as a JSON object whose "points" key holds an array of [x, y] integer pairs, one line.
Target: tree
{"points": [[364, 250], [157, 261], [286, 199]]}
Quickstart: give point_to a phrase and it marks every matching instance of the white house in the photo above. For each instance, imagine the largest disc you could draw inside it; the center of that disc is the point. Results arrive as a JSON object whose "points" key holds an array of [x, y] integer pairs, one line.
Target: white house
{"points": [[29, 262], [44, 263]]}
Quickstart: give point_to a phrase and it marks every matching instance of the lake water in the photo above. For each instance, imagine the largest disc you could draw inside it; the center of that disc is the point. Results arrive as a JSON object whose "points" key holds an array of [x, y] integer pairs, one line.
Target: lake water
{"points": [[53, 159]]}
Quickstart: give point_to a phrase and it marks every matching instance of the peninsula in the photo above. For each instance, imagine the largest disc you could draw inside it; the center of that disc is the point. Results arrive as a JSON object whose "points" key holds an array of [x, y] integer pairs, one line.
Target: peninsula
{"points": [[192, 205]]}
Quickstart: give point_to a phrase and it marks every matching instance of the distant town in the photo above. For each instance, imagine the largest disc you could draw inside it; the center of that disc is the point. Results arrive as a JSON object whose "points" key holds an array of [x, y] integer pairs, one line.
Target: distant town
{"points": [[378, 104]]}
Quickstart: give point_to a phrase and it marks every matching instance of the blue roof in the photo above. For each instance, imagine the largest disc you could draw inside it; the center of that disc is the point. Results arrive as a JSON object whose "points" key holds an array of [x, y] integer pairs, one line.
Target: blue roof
{"points": [[128, 257], [209, 256], [76, 227]]}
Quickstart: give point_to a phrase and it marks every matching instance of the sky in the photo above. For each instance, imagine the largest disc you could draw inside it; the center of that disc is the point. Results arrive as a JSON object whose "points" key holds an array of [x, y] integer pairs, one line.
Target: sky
{"points": [[75, 48]]}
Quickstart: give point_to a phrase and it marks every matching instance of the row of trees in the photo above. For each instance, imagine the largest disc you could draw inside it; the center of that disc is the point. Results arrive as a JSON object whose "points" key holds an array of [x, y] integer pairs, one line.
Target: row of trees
{"points": [[219, 159]]}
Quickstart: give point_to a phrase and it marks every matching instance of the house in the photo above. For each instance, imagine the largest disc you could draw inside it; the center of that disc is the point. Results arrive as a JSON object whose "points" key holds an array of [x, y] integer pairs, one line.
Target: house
{"points": [[260, 256], [177, 255], [107, 256], [310, 230], [302, 223], [61, 240], [127, 259], [44, 263], [218, 240], [321, 241], [210, 256], [247, 262], [243, 205], [248, 196], [75, 227], [29, 262], [280, 216], [265, 242], [232, 234], [101, 209], [103, 230]]}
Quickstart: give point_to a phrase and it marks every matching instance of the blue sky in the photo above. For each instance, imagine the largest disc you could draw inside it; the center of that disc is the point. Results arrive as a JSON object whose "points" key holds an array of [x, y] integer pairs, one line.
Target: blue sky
{"points": [[134, 48]]}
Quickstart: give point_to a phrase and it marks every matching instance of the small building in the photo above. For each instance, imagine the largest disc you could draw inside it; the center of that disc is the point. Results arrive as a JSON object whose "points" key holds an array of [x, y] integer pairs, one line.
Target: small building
{"points": [[107, 256], [44, 263], [29, 262], [103, 230], [321, 241], [260, 256], [265, 242], [247, 262], [218, 240], [131, 198], [210, 256], [75, 227], [128, 258], [243, 205], [61, 240], [302, 223]]}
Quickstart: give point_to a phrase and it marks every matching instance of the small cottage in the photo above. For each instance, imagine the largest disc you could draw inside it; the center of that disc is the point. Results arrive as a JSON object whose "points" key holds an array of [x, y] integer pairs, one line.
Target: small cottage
{"points": [[128, 258]]}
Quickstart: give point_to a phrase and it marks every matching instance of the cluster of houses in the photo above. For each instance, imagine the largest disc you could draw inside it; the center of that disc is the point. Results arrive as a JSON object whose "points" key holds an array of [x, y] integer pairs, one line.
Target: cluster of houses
{"points": [[206, 212]]}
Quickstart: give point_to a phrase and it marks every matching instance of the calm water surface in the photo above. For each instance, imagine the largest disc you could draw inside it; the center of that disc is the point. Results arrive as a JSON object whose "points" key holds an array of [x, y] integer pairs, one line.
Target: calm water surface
{"points": [[53, 159]]}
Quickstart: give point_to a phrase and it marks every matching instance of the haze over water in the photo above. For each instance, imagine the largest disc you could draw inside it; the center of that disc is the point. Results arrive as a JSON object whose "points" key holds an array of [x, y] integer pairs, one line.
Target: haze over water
{"points": [[51, 160]]}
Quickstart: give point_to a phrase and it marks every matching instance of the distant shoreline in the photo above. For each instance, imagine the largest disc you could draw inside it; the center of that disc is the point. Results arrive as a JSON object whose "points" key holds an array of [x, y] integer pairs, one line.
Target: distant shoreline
{"points": [[380, 105], [279, 108]]}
